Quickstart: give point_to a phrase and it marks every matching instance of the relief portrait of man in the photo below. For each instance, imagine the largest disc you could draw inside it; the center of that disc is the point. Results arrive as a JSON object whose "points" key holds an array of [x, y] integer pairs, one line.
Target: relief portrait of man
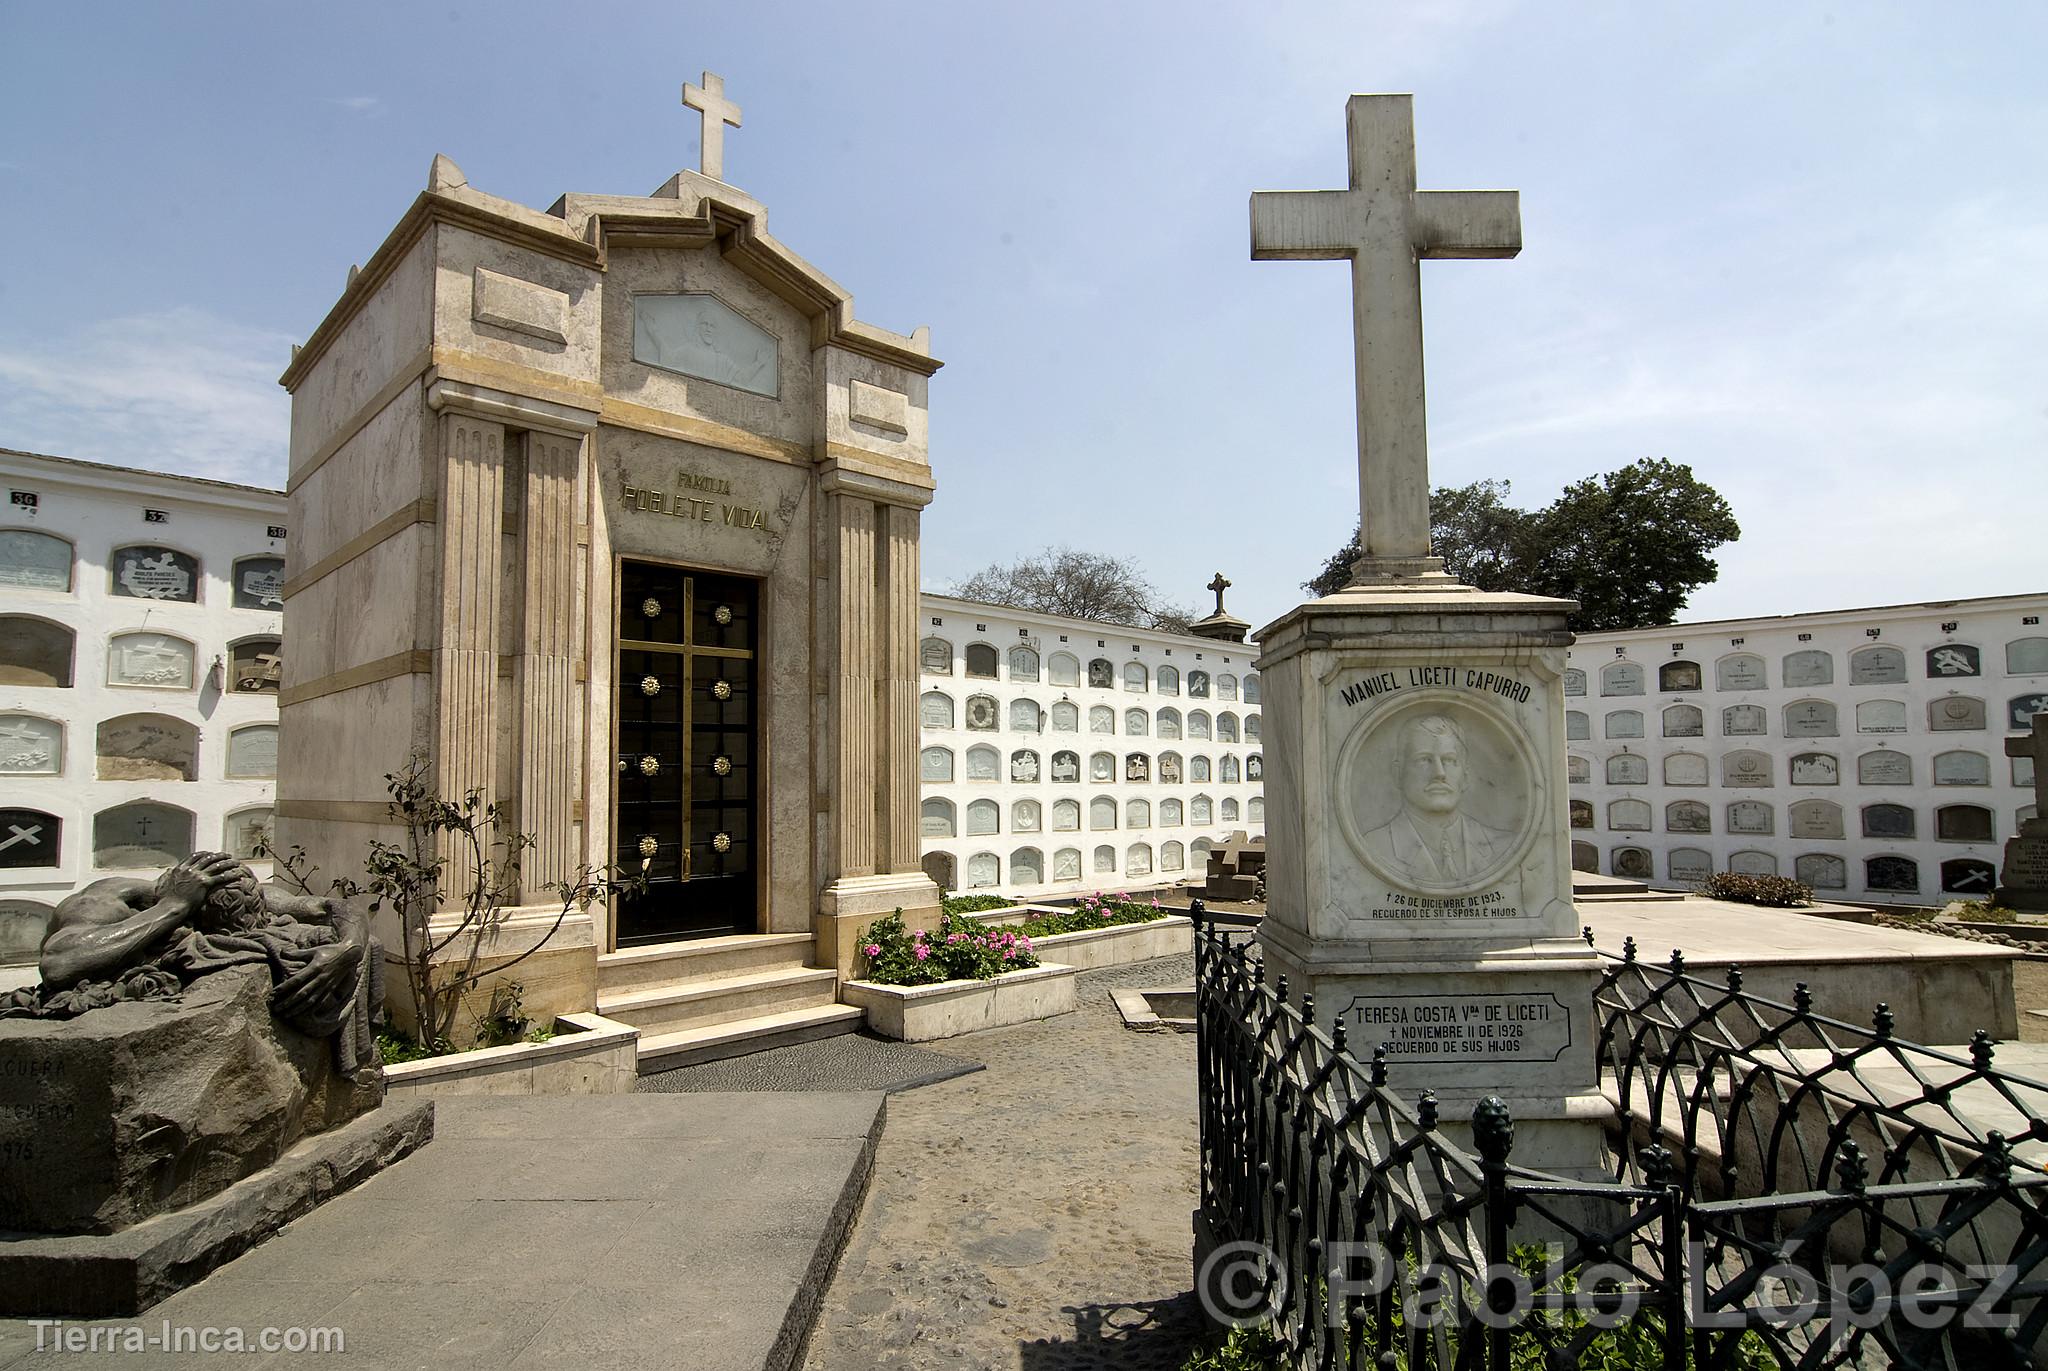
{"points": [[1432, 841]]}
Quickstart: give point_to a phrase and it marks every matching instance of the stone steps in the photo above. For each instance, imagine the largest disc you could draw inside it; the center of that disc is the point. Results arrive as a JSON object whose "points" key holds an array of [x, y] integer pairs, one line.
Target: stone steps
{"points": [[710, 1042], [721, 997], [637, 968]]}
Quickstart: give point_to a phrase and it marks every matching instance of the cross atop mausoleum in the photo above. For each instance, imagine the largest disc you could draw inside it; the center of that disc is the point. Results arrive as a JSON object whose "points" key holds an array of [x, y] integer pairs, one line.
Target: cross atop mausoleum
{"points": [[2034, 746], [1219, 585], [1385, 227], [709, 100]]}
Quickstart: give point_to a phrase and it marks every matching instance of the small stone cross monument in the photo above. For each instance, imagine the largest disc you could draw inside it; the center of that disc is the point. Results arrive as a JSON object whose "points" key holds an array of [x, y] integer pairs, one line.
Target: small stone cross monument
{"points": [[1219, 585], [1385, 227], [709, 100], [1418, 878], [2023, 881]]}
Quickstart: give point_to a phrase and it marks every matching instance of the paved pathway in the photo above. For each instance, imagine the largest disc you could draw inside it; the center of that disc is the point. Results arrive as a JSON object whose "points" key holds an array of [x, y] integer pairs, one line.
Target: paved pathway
{"points": [[1034, 1215]]}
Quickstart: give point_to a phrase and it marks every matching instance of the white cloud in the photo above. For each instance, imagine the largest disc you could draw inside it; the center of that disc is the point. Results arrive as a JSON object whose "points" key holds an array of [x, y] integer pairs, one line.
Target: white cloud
{"points": [[181, 391], [358, 104]]}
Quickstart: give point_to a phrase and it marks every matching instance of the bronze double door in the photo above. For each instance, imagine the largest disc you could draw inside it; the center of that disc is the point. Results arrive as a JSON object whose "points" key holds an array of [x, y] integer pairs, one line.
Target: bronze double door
{"points": [[685, 794]]}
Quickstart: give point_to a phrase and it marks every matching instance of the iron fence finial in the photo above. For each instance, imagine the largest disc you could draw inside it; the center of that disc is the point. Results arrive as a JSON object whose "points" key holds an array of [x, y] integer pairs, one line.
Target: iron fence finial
{"points": [[1379, 1064], [1852, 1170], [1981, 1050], [1882, 1021], [1493, 1129], [1802, 999], [1628, 948], [1425, 1111]]}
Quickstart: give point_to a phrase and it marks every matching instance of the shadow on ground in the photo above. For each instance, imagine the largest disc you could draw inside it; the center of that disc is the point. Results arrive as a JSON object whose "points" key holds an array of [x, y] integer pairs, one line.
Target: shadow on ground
{"points": [[1153, 1336]]}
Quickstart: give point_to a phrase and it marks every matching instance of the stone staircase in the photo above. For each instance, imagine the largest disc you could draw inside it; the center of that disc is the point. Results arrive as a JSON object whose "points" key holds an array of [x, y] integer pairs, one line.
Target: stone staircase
{"points": [[721, 997]]}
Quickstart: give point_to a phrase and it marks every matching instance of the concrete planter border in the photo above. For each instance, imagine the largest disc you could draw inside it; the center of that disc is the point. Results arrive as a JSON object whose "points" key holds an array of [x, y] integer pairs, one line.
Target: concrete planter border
{"points": [[589, 1055], [1091, 948], [920, 1013]]}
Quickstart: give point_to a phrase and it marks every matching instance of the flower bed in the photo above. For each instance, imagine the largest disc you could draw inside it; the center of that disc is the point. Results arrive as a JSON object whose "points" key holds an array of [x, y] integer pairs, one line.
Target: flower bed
{"points": [[961, 950], [1099, 930], [920, 1013]]}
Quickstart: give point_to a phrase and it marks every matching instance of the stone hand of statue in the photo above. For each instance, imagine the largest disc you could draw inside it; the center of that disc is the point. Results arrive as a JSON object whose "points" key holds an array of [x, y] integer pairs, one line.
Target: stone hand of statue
{"points": [[192, 880], [318, 995]]}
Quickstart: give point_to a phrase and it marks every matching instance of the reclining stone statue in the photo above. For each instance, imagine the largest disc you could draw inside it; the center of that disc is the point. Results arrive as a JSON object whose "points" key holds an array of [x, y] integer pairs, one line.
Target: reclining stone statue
{"points": [[125, 939]]}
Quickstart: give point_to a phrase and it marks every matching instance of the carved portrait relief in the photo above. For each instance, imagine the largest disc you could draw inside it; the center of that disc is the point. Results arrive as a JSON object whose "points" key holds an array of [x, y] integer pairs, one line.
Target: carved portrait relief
{"points": [[1437, 796], [700, 335]]}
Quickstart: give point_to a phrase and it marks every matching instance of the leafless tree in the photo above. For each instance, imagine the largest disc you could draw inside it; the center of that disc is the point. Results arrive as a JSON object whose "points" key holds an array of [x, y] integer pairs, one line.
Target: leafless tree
{"points": [[1080, 585]]}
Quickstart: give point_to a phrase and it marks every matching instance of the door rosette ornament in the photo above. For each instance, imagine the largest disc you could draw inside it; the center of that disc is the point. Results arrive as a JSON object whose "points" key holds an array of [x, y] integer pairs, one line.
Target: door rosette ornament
{"points": [[650, 686], [721, 689]]}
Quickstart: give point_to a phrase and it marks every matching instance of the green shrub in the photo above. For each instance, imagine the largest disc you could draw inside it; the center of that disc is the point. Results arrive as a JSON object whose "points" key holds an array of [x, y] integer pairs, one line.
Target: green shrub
{"points": [[1773, 892], [961, 950], [974, 904], [1093, 911]]}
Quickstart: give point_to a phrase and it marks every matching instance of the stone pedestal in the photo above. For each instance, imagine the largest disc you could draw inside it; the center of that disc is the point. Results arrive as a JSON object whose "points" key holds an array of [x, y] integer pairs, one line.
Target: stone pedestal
{"points": [[135, 1109], [2023, 879], [1419, 881]]}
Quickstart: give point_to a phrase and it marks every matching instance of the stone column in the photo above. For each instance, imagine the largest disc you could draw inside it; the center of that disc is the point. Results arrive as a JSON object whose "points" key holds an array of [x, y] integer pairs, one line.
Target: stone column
{"points": [[870, 860], [471, 516], [897, 793], [545, 664], [855, 738]]}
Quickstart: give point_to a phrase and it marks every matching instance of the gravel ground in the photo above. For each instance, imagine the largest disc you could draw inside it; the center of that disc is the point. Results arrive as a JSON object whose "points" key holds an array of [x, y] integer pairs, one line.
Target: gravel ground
{"points": [[1035, 1215]]}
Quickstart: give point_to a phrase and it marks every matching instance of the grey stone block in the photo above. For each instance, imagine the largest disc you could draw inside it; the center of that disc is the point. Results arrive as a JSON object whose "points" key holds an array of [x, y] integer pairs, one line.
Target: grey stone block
{"points": [[124, 1273], [145, 1107]]}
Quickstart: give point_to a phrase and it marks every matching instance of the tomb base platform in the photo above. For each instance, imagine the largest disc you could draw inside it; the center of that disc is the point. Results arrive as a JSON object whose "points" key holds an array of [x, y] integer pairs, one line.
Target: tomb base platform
{"points": [[116, 1275], [1941, 990]]}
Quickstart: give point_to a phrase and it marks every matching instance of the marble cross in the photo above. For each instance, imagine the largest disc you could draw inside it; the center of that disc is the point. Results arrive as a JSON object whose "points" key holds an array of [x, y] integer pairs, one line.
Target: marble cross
{"points": [[2034, 745], [31, 834], [1385, 227], [1219, 585], [709, 100]]}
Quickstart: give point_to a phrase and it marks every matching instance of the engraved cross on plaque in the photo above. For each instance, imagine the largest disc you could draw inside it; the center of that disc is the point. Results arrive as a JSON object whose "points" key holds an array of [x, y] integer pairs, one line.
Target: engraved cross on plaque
{"points": [[709, 100], [1385, 227], [2034, 745], [31, 834]]}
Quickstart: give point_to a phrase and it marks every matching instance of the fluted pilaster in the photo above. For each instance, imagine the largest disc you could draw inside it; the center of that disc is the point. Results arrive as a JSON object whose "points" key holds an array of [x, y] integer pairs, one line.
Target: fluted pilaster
{"points": [[854, 697], [896, 795], [544, 670], [465, 647]]}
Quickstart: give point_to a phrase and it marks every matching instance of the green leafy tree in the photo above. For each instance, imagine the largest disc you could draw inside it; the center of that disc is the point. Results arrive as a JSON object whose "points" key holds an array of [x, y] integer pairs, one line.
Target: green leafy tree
{"points": [[1079, 585], [1629, 546]]}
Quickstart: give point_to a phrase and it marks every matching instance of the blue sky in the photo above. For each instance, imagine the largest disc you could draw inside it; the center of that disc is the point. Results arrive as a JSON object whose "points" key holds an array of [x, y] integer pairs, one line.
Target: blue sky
{"points": [[1803, 249]]}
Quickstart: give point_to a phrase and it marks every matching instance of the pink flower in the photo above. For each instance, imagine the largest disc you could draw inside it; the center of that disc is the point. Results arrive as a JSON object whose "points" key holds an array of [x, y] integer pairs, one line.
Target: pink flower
{"points": [[873, 949], [923, 953]]}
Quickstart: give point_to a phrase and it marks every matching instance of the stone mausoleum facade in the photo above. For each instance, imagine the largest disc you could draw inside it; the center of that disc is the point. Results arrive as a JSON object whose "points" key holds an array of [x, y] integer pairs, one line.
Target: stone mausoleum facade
{"points": [[167, 699], [1859, 750]]}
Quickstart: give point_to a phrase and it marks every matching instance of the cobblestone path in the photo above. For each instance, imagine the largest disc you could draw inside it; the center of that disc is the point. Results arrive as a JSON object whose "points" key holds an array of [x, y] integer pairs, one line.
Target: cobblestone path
{"points": [[1034, 1215]]}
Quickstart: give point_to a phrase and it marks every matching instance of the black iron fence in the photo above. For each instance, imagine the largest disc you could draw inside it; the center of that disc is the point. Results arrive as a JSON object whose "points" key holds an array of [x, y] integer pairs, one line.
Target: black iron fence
{"points": [[1787, 1190]]}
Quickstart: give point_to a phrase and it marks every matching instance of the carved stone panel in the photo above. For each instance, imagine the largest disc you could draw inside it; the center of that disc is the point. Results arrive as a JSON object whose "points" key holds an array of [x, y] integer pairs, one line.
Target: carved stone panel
{"points": [[2020, 711], [1810, 719], [1687, 816], [1632, 863], [30, 838], [1066, 864], [700, 335], [256, 667], [1753, 864], [1808, 668], [147, 747], [1877, 666], [984, 869], [1953, 660], [1746, 769], [1685, 768], [1628, 769], [1678, 676], [150, 659], [1884, 767], [1622, 678], [1881, 716], [259, 583], [1816, 768], [1743, 671], [248, 834], [1738, 721], [1821, 871], [22, 925], [155, 573], [1887, 821], [1955, 714], [1750, 816], [1962, 768], [142, 834], [1968, 876], [1814, 819], [30, 746], [34, 561], [252, 752], [1690, 865]]}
